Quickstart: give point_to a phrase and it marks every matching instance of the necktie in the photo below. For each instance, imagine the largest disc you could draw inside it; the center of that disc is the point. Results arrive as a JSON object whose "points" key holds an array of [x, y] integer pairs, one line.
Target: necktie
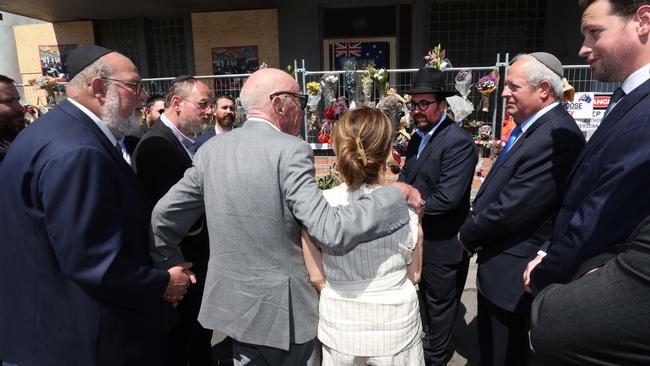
{"points": [[616, 97], [118, 149], [511, 141]]}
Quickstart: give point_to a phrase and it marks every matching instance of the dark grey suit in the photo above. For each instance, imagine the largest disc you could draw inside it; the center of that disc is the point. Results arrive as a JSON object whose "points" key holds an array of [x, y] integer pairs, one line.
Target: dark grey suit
{"points": [[443, 175], [602, 318], [257, 289]]}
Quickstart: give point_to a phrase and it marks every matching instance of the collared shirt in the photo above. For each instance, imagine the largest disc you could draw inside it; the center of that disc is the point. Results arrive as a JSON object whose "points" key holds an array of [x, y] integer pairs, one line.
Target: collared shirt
{"points": [[635, 79], [426, 136], [102, 126], [186, 142], [125, 153], [532, 119]]}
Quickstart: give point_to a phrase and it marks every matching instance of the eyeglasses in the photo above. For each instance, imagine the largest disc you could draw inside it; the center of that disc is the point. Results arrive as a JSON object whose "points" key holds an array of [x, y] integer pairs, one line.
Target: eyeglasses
{"points": [[301, 97], [205, 104], [136, 86], [423, 105]]}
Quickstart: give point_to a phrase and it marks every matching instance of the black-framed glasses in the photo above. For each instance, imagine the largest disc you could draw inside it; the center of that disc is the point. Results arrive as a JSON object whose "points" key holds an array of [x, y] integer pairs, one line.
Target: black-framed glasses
{"points": [[204, 104], [136, 86], [422, 105], [301, 97]]}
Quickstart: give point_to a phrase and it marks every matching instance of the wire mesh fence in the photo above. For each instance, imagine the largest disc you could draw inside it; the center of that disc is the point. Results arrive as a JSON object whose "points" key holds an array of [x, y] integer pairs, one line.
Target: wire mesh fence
{"points": [[579, 76]]}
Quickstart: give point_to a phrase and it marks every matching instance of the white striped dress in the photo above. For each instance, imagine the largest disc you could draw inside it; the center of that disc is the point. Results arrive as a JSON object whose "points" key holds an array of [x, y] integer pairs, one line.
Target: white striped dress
{"points": [[369, 307]]}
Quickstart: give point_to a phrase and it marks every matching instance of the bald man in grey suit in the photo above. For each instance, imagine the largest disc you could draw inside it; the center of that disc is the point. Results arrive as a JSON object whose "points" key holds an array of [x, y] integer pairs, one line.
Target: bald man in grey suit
{"points": [[256, 200]]}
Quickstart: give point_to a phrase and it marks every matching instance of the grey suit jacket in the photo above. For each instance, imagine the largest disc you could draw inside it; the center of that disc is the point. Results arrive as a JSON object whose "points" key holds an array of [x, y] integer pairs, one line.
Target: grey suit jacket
{"points": [[257, 187]]}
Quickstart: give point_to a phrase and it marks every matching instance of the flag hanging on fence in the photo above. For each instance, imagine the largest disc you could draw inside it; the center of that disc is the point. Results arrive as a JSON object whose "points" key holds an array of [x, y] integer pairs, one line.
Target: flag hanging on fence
{"points": [[361, 53]]}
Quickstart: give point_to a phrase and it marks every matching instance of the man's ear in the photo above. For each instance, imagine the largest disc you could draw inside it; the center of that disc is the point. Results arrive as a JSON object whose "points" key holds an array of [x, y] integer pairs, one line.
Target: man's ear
{"points": [[176, 103], [98, 88], [545, 88], [642, 16], [277, 105]]}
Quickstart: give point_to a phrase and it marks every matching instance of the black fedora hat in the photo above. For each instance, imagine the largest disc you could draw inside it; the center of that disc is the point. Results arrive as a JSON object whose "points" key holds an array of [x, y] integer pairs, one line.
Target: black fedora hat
{"points": [[430, 81]]}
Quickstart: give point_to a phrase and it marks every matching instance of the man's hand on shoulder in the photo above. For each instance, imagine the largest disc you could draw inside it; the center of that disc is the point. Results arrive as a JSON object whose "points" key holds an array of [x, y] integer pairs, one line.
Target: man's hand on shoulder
{"points": [[412, 196]]}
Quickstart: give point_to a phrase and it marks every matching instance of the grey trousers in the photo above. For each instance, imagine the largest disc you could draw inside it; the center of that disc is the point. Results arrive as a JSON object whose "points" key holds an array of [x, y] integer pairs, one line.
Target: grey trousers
{"points": [[602, 318]]}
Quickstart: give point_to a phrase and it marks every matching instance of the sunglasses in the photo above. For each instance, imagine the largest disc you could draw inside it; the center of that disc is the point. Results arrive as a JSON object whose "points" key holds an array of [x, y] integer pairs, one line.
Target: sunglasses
{"points": [[301, 97]]}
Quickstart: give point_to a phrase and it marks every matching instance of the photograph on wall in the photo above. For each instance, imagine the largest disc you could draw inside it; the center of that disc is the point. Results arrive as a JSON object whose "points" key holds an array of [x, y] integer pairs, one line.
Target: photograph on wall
{"points": [[378, 52], [234, 60], [54, 59]]}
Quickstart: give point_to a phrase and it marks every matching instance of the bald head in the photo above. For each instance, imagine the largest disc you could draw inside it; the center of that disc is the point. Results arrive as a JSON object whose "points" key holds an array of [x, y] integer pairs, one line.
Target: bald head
{"points": [[283, 110]]}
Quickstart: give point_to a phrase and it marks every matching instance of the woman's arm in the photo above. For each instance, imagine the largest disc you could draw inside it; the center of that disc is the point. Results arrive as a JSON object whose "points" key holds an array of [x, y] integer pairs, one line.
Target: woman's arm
{"points": [[313, 261], [414, 269]]}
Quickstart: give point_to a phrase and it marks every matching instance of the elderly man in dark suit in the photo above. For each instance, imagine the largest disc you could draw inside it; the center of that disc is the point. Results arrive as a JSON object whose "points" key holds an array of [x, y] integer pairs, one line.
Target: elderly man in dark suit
{"points": [[607, 191], [75, 274], [602, 316], [512, 214], [440, 163], [160, 159]]}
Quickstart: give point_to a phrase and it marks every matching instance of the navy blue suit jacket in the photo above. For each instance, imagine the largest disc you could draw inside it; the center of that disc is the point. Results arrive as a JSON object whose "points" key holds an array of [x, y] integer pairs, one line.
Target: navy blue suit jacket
{"points": [[607, 193], [443, 175], [75, 275], [513, 211], [205, 136]]}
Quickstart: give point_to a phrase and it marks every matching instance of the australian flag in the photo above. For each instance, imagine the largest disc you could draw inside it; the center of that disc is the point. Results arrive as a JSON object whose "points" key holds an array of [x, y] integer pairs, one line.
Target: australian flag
{"points": [[363, 53]]}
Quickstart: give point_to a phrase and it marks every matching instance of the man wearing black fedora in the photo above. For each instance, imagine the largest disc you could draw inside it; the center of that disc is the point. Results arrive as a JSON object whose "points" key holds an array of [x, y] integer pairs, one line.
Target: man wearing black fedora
{"points": [[440, 161]]}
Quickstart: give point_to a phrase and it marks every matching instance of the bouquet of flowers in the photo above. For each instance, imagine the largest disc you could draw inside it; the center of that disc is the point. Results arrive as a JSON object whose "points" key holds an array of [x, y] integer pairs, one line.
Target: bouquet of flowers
{"points": [[329, 83], [31, 113], [340, 106], [325, 133], [487, 85], [383, 83], [463, 82], [350, 82], [436, 58], [314, 91], [49, 85], [367, 83], [329, 180]]}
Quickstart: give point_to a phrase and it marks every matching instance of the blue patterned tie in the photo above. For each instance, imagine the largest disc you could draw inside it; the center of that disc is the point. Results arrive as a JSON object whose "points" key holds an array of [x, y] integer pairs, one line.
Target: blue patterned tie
{"points": [[511, 141]]}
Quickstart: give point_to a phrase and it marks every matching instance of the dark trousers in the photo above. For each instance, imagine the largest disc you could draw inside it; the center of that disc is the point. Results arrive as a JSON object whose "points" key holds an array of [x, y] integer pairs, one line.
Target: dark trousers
{"points": [[502, 335], [189, 343], [441, 288], [256, 355], [602, 318]]}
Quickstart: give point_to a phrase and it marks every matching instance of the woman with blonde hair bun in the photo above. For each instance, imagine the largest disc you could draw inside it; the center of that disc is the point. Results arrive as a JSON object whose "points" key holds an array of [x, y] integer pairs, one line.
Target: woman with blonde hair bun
{"points": [[368, 310]]}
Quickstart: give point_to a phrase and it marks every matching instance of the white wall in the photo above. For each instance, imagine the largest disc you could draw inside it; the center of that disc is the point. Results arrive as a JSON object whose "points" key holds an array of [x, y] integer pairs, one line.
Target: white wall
{"points": [[8, 55]]}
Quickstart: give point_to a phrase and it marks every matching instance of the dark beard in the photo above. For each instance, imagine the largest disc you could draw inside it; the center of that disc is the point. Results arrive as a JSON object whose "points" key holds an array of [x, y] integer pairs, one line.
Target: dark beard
{"points": [[10, 128], [226, 123]]}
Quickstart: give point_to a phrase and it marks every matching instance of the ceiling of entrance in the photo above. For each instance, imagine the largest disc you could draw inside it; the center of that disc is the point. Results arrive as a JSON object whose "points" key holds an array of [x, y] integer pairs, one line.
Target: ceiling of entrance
{"points": [[72, 10]]}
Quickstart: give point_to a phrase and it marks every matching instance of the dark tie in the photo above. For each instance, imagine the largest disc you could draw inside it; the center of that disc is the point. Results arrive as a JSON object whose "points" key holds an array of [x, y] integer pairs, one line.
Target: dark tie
{"points": [[616, 96], [118, 149], [511, 141]]}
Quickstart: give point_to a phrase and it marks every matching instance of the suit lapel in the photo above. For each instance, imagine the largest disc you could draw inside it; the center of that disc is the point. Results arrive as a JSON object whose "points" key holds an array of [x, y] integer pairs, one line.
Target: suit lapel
{"points": [[167, 133], [612, 119], [553, 113], [419, 161], [79, 115]]}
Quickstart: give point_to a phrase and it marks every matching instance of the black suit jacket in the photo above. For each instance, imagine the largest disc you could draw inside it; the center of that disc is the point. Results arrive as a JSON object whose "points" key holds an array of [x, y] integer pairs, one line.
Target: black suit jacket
{"points": [[75, 274], [607, 191], [443, 175], [513, 211], [160, 161], [130, 142]]}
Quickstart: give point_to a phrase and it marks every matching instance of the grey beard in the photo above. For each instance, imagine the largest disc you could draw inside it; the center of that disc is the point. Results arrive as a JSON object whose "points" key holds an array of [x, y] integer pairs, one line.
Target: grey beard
{"points": [[110, 115]]}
